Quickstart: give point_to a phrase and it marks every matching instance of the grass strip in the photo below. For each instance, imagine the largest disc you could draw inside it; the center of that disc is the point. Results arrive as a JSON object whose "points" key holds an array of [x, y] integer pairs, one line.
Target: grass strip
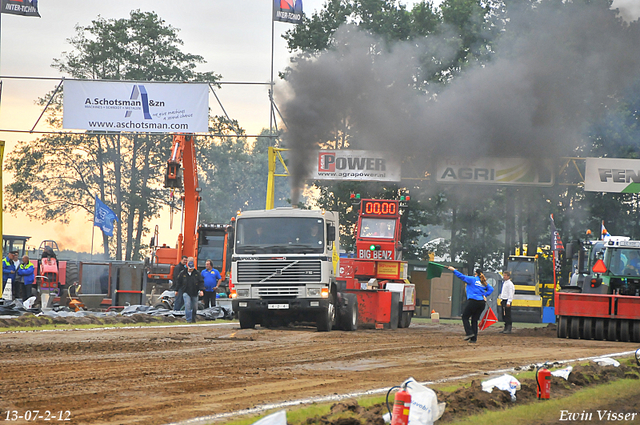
{"points": [[588, 400]]}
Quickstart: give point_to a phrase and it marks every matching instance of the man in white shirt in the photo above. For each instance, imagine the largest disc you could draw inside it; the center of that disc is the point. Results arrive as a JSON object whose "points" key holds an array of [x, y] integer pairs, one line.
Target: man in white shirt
{"points": [[506, 298]]}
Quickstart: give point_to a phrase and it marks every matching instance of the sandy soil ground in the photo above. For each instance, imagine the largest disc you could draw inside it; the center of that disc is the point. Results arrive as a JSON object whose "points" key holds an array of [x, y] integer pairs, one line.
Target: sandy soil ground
{"points": [[162, 375]]}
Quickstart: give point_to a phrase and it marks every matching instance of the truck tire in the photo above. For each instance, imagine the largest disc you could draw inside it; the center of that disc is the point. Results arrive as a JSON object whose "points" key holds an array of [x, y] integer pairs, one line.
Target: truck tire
{"points": [[71, 277], [587, 328], [563, 325], [599, 332], [624, 331], [349, 314], [405, 318], [326, 318], [574, 330], [246, 320]]}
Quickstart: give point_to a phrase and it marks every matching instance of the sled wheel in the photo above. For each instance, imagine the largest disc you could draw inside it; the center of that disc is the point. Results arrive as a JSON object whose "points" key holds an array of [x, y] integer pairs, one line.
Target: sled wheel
{"points": [[563, 324], [574, 330], [612, 330], [587, 328], [624, 331], [599, 334], [405, 319], [635, 331]]}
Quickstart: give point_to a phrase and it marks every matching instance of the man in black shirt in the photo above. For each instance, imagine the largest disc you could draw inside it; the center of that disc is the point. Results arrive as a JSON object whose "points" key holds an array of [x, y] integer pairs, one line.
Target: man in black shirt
{"points": [[191, 283]]}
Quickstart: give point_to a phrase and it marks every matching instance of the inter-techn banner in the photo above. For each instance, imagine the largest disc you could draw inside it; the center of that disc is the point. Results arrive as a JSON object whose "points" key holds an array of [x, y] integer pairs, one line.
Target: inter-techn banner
{"points": [[136, 107], [356, 165], [21, 7], [288, 11]]}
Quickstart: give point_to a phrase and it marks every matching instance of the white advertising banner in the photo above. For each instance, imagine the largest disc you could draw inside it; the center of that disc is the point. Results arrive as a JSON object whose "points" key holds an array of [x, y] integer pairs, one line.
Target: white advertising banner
{"points": [[356, 165], [612, 175], [496, 171], [136, 107]]}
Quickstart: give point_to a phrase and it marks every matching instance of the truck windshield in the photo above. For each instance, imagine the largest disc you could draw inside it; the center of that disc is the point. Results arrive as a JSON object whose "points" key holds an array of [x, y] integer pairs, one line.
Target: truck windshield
{"points": [[377, 228], [277, 235], [624, 262], [522, 272], [211, 248]]}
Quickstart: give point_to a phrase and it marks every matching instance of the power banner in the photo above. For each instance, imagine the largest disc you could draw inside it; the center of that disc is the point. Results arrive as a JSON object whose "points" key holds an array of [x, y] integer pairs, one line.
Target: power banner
{"points": [[496, 171], [136, 107], [20, 7], [356, 165], [612, 175], [288, 11]]}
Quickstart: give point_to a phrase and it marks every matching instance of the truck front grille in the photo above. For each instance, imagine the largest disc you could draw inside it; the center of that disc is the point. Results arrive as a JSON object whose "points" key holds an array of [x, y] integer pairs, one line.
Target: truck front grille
{"points": [[280, 291], [279, 271]]}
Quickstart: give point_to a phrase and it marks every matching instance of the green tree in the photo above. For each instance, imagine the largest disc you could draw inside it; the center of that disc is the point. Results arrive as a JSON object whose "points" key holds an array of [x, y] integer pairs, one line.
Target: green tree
{"points": [[59, 174]]}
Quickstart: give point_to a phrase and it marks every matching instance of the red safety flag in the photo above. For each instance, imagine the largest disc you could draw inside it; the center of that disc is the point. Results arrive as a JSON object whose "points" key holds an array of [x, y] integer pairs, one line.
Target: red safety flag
{"points": [[488, 318]]}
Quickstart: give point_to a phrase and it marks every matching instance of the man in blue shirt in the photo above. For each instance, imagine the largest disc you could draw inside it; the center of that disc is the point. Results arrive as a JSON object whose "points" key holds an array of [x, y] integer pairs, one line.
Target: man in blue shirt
{"points": [[211, 278], [25, 271], [9, 270]]}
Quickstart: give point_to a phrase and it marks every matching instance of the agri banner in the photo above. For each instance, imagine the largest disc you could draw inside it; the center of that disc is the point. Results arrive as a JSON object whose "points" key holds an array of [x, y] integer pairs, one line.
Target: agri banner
{"points": [[356, 165], [612, 175], [21, 7], [496, 171], [136, 107], [288, 11]]}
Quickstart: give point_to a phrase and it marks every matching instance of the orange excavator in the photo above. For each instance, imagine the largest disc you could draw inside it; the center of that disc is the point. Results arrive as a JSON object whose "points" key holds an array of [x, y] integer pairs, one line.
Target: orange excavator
{"points": [[207, 241]]}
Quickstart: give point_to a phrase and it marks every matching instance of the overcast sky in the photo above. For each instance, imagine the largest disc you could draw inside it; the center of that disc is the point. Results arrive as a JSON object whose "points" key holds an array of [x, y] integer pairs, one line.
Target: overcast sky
{"points": [[235, 42]]}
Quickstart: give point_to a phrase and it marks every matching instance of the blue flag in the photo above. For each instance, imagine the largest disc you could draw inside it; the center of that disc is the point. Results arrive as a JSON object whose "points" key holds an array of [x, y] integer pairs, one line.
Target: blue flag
{"points": [[103, 217]]}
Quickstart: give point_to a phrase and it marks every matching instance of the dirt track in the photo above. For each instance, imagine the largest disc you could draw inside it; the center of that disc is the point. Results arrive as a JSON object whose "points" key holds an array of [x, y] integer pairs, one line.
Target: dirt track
{"points": [[162, 375]]}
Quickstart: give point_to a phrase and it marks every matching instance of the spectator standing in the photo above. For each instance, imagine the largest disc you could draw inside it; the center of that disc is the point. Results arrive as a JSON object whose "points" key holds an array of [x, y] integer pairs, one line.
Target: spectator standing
{"points": [[9, 270], [211, 278], [506, 298], [192, 284], [178, 302], [477, 291], [25, 271]]}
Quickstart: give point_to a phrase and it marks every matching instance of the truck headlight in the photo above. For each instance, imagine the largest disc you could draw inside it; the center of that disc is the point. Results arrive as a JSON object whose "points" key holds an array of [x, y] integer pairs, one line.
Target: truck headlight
{"points": [[313, 292], [242, 293]]}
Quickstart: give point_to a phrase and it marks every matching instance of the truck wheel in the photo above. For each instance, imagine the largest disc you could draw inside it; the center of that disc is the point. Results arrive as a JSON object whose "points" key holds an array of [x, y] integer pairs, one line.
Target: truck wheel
{"points": [[599, 334], [612, 331], [624, 331], [574, 331], [246, 320], [405, 319], [587, 328], [327, 318], [563, 324], [635, 331], [349, 316]]}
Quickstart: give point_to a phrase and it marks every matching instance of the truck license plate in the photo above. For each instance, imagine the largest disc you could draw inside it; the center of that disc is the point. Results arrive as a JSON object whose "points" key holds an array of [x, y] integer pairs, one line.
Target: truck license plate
{"points": [[278, 306]]}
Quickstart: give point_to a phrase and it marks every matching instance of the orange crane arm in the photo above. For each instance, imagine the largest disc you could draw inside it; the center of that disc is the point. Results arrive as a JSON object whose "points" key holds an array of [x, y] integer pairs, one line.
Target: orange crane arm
{"points": [[183, 155]]}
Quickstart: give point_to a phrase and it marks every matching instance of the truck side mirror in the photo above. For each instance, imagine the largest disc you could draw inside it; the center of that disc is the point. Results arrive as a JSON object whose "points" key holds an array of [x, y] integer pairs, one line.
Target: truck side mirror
{"points": [[331, 233], [569, 251]]}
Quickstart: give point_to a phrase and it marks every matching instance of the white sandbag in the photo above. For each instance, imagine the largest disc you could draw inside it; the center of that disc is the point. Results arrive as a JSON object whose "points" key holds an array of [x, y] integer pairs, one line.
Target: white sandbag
{"points": [[28, 304], [505, 383], [278, 418], [7, 293], [607, 361], [563, 373], [425, 409]]}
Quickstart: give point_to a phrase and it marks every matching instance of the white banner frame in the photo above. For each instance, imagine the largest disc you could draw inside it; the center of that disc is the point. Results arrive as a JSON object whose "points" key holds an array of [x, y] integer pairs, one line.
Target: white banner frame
{"points": [[612, 175], [496, 171]]}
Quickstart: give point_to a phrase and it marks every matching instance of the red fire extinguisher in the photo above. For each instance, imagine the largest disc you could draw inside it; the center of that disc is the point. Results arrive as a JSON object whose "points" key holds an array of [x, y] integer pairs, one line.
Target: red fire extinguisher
{"points": [[401, 405], [543, 378]]}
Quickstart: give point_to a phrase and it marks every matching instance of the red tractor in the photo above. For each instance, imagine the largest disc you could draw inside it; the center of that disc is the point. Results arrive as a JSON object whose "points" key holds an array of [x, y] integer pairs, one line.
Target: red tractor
{"points": [[56, 279]]}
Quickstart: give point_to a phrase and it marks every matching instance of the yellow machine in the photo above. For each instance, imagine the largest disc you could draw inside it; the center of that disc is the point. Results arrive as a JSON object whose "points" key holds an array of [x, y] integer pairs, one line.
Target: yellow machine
{"points": [[527, 302]]}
